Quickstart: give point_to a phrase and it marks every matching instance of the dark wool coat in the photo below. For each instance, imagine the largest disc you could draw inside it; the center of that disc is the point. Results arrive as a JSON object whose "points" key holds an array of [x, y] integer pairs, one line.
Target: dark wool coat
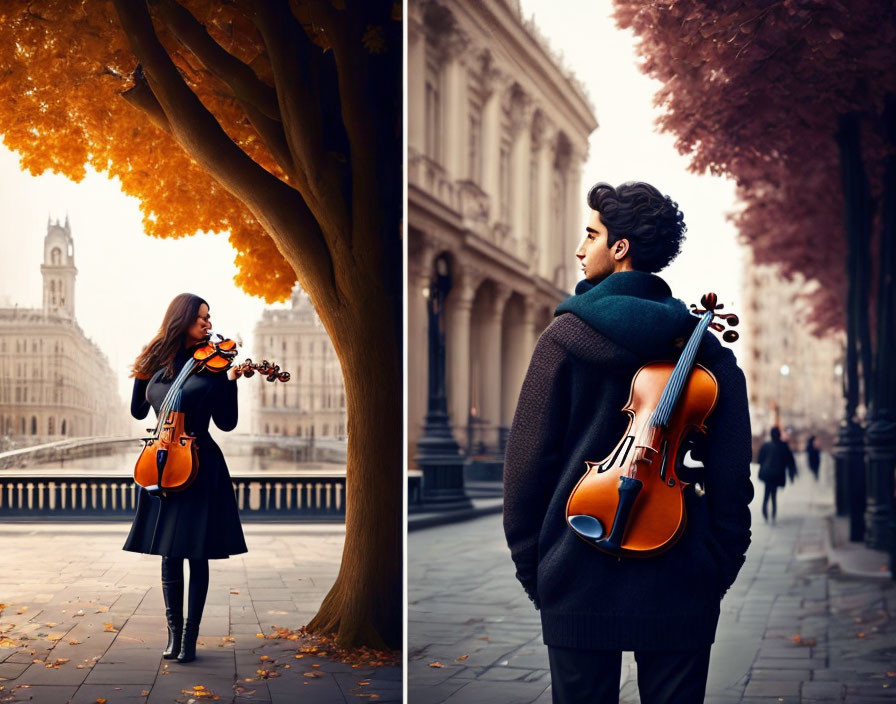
{"points": [[569, 412], [202, 521]]}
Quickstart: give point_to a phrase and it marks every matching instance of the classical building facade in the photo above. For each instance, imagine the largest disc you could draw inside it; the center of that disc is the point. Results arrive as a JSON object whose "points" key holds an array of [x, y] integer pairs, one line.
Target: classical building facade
{"points": [[54, 381], [497, 136], [786, 366], [312, 403]]}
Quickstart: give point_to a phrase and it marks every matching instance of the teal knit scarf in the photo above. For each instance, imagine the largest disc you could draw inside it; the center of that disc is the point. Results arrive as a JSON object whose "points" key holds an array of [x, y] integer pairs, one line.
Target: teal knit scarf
{"points": [[634, 309]]}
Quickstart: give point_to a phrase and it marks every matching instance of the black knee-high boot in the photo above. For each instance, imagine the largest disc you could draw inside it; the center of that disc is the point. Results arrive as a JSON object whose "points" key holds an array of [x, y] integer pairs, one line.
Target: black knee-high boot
{"points": [[173, 593], [195, 604]]}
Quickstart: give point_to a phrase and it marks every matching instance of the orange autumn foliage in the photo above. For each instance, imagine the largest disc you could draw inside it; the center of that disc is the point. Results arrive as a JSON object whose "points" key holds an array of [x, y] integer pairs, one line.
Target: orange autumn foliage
{"points": [[63, 68]]}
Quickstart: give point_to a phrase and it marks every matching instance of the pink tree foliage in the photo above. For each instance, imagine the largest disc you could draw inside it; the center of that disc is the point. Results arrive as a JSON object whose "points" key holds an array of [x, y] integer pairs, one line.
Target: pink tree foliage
{"points": [[754, 90]]}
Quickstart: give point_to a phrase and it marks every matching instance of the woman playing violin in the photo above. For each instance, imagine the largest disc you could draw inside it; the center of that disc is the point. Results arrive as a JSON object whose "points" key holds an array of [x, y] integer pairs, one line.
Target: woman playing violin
{"points": [[200, 522]]}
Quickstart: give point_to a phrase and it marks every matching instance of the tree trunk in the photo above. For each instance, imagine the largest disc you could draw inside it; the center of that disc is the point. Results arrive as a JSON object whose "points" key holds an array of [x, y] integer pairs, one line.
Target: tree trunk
{"points": [[364, 606]]}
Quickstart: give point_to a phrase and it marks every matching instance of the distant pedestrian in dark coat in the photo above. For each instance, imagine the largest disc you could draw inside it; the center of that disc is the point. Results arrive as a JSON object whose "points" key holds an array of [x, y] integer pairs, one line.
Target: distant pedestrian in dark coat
{"points": [[813, 456], [775, 463]]}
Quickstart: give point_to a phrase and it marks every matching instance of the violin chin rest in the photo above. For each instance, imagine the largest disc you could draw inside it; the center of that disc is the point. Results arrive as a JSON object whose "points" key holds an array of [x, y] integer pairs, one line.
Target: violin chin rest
{"points": [[586, 526]]}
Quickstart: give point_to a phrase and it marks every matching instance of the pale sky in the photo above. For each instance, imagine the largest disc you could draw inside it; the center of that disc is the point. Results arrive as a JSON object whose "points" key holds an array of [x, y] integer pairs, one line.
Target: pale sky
{"points": [[626, 146], [125, 278]]}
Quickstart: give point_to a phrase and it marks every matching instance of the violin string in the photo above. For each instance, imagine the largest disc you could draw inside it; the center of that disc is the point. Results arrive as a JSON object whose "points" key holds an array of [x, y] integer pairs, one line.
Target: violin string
{"points": [[680, 374], [169, 402]]}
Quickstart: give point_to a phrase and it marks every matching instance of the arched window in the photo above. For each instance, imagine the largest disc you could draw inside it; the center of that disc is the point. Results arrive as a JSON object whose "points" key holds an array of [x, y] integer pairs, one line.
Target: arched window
{"points": [[33, 425], [56, 256], [62, 430]]}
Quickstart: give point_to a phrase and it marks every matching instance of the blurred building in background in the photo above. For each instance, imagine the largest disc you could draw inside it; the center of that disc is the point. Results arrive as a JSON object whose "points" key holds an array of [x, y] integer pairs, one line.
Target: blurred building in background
{"points": [[54, 381], [312, 403], [497, 136], [785, 365]]}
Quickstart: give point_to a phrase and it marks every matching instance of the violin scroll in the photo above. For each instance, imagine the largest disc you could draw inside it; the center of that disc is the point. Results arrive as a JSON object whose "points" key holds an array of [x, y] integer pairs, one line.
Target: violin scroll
{"points": [[710, 302]]}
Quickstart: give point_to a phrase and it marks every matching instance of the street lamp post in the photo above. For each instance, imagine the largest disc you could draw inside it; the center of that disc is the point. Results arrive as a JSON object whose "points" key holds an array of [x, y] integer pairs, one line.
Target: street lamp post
{"points": [[880, 436], [438, 453]]}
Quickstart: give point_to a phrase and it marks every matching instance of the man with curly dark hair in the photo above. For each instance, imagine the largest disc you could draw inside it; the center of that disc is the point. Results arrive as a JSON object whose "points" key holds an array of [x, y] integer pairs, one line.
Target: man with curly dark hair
{"points": [[595, 605]]}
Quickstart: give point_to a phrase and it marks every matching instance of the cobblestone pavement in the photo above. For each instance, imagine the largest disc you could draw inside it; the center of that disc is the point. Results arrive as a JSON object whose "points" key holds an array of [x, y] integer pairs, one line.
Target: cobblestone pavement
{"points": [[83, 621], [792, 629]]}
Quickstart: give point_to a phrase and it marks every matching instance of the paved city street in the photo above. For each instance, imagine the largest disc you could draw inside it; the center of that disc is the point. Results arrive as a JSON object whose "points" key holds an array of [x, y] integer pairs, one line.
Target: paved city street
{"points": [[82, 621], [793, 627]]}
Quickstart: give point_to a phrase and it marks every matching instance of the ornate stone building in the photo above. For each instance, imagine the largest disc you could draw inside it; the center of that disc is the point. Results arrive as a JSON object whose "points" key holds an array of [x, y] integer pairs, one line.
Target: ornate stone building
{"points": [[784, 364], [312, 403], [54, 381], [497, 136]]}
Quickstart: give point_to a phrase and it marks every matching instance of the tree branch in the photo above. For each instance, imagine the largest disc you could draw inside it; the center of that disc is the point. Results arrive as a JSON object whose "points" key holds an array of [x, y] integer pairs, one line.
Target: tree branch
{"points": [[290, 53], [345, 31], [142, 98], [280, 209], [258, 99], [242, 80]]}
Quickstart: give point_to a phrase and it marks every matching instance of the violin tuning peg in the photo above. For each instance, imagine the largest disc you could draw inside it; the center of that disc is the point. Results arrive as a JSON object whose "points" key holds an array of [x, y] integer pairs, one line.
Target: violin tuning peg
{"points": [[709, 301], [717, 327], [248, 361], [730, 336], [732, 319], [284, 376]]}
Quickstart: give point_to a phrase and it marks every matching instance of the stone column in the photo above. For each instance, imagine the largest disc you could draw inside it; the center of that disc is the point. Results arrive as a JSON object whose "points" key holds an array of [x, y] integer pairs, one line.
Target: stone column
{"points": [[416, 87], [491, 139], [546, 229], [519, 168], [517, 360], [454, 107], [575, 227], [491, 364], [458, 353], [419, 274]]}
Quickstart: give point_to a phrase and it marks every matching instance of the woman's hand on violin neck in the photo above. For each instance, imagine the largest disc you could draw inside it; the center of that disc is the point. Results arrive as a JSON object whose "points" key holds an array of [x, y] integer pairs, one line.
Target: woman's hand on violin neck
{"points": [[233, 374]]}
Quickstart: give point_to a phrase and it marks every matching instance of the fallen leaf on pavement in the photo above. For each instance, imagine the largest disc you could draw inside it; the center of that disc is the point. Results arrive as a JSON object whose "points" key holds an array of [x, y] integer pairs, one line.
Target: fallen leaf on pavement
{"points": [[110, 628], [461, 658], [436, 664], [74, 642]]}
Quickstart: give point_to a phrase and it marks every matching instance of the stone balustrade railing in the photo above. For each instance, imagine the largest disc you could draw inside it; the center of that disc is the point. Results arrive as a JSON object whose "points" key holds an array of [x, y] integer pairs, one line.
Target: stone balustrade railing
{"points": [[268, 497]]}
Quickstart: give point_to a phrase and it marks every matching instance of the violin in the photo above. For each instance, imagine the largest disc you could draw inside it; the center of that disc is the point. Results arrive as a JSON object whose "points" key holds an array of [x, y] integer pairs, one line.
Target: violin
{"points": [[632, 502], [169, 460]]}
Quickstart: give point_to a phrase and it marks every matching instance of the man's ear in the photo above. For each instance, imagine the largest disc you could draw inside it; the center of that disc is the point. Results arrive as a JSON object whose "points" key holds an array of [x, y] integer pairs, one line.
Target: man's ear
{"points": [[620, 250]]}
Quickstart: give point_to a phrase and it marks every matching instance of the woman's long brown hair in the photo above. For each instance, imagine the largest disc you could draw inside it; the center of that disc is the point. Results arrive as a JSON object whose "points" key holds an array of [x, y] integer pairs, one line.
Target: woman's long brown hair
{"points": [[161, 350]]}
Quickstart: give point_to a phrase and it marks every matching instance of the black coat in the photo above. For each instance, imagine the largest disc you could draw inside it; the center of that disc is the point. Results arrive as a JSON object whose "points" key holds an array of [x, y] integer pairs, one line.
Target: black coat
{"points": [[202, 521], [569, 411], [776, 463]]}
